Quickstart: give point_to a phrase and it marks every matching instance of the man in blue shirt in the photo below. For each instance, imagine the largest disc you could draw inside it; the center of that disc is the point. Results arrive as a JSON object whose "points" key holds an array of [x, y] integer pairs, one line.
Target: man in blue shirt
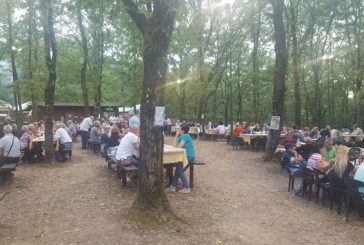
{"points": [[183, 140], [134, 120]]}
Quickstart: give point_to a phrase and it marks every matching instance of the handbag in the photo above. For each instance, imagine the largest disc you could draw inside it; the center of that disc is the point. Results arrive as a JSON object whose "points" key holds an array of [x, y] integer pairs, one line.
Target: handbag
{"points": [[126, 162]]}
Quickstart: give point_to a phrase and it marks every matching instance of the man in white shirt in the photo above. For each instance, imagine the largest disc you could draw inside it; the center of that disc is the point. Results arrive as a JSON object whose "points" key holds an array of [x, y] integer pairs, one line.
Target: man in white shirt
{"points": [[84, 127], [113, 119], [65, 141], [63, 137], [128, 144], [9, 146]]}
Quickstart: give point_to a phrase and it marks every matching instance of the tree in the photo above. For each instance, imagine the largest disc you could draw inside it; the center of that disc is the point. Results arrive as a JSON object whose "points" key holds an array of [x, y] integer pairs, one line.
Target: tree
{"points": [[279, 75], [295, 63], [16, 89], [51, 62], [85, 59], [156, 29]]}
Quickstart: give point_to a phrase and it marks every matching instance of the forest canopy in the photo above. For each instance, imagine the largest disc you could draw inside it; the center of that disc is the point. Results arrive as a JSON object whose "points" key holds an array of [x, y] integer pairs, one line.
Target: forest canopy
{"points": [[221, 58]]}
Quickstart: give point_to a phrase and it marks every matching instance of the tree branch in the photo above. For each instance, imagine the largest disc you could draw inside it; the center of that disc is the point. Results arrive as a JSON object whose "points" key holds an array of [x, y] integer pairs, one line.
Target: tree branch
{"points": [[134, 13]]}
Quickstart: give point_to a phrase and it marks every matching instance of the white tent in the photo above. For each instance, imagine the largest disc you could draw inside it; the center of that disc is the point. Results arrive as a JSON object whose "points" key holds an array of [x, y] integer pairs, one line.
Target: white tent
{"points": [[129, 109], [5, 106]]}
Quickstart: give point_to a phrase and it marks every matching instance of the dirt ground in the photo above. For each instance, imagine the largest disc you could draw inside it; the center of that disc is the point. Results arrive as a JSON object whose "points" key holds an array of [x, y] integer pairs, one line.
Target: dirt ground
{"points": [[237, 199]]}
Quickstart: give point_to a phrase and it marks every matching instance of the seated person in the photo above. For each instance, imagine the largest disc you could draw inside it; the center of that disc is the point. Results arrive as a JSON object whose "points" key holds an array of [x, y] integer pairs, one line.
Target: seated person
{"points": [[358, 131], [9, 146], [340, 166], [316, 156], [127, 146], [329, 149], [326, 133], [65, 141], [95, 133], [338, 138], [238, 129], [35, 130], [183, 140], [105, 135], [290, 139], [9, 149], [114, 139], [314, 133], [257, 128], [26, 137], [297, 133], [312, 162], [291, 159], [104, 140], [71, 129], [37, 148], [305, 132]]}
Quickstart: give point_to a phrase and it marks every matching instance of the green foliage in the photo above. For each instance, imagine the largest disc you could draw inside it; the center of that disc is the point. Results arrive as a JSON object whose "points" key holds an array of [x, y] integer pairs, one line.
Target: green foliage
{"points": [[211, 49]]}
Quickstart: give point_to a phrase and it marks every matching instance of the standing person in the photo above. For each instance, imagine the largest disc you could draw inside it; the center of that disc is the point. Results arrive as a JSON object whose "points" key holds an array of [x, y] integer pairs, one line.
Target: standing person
{"points": [[84, 127], [183, 140], [9, 148], [134, 120], [169, 126], [113, 119]]}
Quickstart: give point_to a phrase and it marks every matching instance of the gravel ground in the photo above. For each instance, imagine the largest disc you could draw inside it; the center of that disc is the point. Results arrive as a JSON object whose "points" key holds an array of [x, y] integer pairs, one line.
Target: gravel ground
{"points": [[237, 199]]}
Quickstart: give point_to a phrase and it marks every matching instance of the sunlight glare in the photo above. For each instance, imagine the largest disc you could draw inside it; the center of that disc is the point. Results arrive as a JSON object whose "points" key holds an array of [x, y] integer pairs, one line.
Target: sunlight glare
{"points": [[222, 3]]}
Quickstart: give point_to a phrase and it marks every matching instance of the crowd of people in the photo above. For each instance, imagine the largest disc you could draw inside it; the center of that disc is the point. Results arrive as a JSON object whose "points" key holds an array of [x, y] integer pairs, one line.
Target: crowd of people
{"points": [[329, 154]]}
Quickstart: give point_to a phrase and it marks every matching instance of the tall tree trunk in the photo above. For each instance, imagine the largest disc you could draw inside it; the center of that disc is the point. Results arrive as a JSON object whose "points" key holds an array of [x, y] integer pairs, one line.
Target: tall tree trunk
{"points": [[157, 30], [51, 62], [85, 60], [256, 36], [99, 57], [279, 75], [295, 63], [12, 49], [30, 4]]}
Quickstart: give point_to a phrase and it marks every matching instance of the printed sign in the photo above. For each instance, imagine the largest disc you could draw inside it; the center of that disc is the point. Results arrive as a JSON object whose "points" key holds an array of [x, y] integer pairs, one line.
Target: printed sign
{"points": [[159, 115], [274, 123]]}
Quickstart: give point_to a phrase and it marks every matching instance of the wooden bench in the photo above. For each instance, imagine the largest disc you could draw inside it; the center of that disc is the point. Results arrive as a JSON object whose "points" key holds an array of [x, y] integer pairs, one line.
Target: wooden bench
{"points": [[6, 169], [190, 165], [121, 170], [95, 147]]}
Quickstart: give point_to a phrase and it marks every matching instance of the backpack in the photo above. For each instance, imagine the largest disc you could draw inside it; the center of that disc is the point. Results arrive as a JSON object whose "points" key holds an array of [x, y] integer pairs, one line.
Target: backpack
{"points": [[285, 159]]}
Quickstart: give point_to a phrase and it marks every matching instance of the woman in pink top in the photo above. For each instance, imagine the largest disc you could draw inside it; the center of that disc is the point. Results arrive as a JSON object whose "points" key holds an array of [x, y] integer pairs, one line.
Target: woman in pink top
{"points": [[26, 137], [316, 156], [312, 162]]}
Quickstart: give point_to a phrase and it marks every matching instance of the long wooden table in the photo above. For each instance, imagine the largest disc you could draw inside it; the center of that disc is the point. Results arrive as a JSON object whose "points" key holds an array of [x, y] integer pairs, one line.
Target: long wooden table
{"points": [[171, 157], [352, 137]]}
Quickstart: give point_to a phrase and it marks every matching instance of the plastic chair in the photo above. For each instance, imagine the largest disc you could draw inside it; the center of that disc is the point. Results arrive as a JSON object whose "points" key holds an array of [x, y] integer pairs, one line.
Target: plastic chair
{"points": [[339, 190], [323, 185], [354, 195]]}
